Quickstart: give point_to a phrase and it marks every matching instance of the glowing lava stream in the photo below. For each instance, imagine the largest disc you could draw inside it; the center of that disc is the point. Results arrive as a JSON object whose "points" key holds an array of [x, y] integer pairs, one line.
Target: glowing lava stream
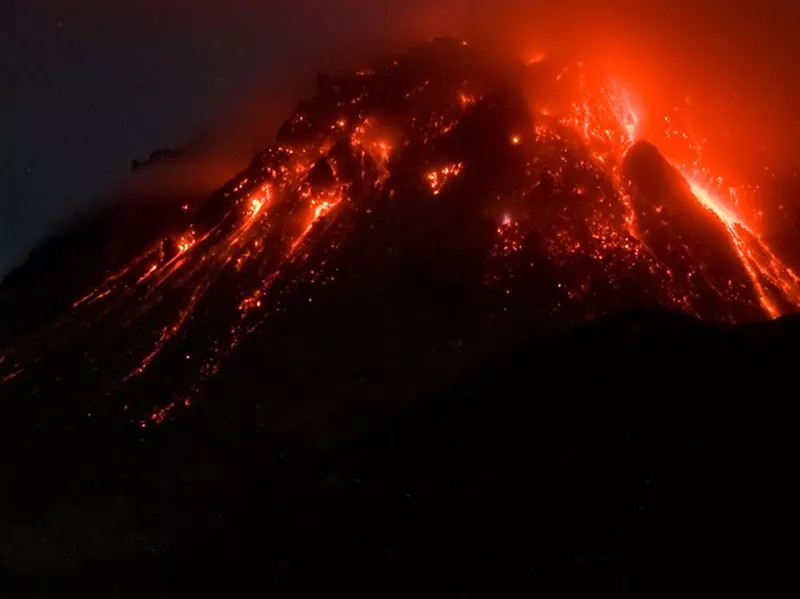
{"points": [[321, 207], [254, 207], [756, 266], [759, 262]]}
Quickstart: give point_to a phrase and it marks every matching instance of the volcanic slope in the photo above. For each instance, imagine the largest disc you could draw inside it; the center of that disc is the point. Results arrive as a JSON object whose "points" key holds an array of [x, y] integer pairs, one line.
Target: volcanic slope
{"points": [[409, 216]]}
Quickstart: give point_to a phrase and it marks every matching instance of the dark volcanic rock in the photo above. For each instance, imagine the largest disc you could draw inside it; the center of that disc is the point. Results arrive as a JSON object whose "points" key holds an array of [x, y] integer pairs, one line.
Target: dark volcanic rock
{"points": [[685, 236]]}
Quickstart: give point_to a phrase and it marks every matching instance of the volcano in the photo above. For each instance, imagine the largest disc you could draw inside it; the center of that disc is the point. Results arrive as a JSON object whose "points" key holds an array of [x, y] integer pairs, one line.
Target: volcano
{"points": [[427, 201], [410, 221]]}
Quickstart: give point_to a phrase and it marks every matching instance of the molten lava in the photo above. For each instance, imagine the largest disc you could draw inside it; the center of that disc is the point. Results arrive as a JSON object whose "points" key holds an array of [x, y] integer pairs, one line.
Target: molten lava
{"points": [[422, 160], [439, 177]]}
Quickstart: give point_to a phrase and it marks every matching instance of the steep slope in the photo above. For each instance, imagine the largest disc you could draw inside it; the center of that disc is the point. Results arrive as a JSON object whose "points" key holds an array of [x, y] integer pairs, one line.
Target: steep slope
{"points": [[433, 206]]}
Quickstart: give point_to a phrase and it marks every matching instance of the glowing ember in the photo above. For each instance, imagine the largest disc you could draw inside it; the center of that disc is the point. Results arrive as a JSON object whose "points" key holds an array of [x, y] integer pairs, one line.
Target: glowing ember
{"points": [[438, 178], [166, 334], [185, 243], [256, 204], [160, 416]]}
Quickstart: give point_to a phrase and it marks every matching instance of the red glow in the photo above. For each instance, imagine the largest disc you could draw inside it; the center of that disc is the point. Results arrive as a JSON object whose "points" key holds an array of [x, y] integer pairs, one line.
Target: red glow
{"points": [[466, 100], [536, 58]]}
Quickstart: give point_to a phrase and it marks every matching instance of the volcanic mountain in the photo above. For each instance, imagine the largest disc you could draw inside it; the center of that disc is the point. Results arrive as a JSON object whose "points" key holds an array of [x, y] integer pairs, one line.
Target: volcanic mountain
{"points": [[410, 220], [429, 206]]}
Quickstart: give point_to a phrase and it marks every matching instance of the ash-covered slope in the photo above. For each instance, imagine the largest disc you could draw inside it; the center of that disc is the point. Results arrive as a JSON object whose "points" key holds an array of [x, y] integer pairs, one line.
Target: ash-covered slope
{"points": [[409, 217]]}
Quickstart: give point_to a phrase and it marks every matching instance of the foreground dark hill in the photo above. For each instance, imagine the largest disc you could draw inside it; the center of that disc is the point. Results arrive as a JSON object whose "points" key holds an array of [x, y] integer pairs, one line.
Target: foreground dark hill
{"points": [[456, 323], [643, 454]]}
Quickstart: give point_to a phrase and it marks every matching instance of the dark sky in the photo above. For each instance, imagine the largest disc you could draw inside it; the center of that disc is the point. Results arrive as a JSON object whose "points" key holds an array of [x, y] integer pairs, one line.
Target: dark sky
{"points": [[87, 85]]}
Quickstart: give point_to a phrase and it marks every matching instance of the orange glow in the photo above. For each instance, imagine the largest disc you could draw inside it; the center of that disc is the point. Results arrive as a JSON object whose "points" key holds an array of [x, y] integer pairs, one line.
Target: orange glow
{"points": [[438, 178], [758, 261], [536, 58], [185, 243], [256, 204], [515, 140], [360, 132], [607, 122], [320, 206], [383, 151], [623, 109]]}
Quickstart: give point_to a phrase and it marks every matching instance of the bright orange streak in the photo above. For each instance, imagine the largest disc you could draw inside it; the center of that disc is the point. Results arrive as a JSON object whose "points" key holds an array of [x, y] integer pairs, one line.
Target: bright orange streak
{"points": [[731, 222], [148, 272], [256, 204], [321, 208], [106, 287], [185, 243], [757, 259], [713, 203]]}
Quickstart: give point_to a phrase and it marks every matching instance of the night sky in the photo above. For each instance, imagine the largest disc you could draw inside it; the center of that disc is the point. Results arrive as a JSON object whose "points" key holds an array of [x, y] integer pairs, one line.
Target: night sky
{"points": [[87, 86], [90, 85]]}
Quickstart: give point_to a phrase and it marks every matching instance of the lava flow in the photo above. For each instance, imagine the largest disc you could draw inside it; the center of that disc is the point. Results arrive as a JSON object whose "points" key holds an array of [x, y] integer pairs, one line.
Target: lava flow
{"points": [[428, 197]]}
